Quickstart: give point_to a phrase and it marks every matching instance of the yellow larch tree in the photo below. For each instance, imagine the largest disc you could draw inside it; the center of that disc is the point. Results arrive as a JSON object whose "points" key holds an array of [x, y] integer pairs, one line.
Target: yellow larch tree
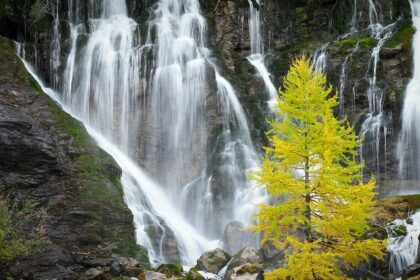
{"points": [[311, 165]]}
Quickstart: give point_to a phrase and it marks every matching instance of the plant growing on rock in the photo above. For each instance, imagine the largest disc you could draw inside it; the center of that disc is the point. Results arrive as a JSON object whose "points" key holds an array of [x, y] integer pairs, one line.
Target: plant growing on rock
{"points": [[312, 163], [14, 241]]}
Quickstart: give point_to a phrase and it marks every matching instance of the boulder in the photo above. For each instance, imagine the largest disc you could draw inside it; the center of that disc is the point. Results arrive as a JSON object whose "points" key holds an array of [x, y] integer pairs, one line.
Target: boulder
{"points": [[151, 275], [213, 261], [94, 273], [248, 255], [170, 269], [235, 237], [247, 272], [193, 274]]}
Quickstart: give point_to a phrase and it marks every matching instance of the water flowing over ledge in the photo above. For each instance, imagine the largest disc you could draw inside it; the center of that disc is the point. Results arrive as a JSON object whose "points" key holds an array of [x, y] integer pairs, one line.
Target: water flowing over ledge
{"points": [[138, 186], [155, 90], [256, 58], [409, 142]]}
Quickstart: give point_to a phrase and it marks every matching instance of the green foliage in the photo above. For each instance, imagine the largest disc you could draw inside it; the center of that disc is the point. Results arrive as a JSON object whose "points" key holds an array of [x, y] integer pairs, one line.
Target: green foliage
{"points": [[312, 163], [170, 269], [404, 36], [38, 11], [348, 44], [301, 15], [14, 241]]}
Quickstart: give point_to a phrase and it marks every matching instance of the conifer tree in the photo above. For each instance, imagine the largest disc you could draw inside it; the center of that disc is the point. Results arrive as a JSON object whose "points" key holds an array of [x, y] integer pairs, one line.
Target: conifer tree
{"points": [[312, 165]]}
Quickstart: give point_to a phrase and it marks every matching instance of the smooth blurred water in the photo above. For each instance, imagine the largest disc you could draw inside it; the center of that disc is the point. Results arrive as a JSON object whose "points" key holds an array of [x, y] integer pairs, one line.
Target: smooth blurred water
{"points": [[256, 58], [146, 102], [404, 248], [409, 142]]}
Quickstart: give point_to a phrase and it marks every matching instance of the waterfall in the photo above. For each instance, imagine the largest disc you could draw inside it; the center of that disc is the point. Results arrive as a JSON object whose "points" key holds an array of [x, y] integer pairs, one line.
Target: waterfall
{"points": [[256, 58], [319, 59], [374, 127], [146, 101], [409, 141], [404, 248], [375, 124]]}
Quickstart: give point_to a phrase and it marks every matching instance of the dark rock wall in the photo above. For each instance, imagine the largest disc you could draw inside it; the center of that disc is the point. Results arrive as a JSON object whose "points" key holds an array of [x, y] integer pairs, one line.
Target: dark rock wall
{"points": [[48, 158], [293, 27]]}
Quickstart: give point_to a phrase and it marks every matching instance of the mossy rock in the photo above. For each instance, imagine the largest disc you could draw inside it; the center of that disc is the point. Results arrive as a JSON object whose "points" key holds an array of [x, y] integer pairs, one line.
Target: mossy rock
{"points": [[251, 268], [348, 44], [193, 274], [403, 35], [171, 269]]}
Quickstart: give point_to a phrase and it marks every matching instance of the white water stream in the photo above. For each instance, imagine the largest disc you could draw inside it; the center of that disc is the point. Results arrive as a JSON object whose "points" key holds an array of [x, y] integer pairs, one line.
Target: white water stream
{"points": [[256, 58], [146, 102], [409, 142], [404, 248]]}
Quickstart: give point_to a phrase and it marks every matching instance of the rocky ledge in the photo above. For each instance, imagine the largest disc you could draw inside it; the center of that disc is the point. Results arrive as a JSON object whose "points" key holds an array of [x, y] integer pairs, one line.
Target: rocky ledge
{"points": [[47, 158]]}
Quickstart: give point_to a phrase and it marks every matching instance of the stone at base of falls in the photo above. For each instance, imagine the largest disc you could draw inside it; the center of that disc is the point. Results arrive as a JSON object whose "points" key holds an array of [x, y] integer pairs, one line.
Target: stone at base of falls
{"points": [[47, 158], [409, 273], [170, 269], [247, 272], [193, 274], [213, 261], [248, 255]]}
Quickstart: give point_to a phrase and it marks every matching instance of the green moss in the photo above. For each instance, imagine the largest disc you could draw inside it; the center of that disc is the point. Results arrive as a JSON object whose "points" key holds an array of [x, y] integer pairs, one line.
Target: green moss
{"points": [[367, 43], [39, 10], [403, 35], [19, 73], [125, 246], [249, 268], [348, 44], [193, 274], [301, 15], [170, 269]]}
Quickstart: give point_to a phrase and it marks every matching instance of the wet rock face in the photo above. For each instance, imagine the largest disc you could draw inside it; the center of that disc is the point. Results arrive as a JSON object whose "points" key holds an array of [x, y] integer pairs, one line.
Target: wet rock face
{"points": [[48, 158]]}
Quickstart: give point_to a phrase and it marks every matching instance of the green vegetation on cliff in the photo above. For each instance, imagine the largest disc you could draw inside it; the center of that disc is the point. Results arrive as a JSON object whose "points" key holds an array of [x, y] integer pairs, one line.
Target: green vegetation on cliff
{"points": [[93, 174], [403, 35], [14, 241]]}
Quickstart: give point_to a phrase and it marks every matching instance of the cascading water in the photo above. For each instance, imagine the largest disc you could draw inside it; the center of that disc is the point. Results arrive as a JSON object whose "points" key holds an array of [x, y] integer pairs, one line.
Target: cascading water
{"points": [[409, 141], [375, 125], [257, 49], [146, 102], [319, 59], [404, 248]]}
